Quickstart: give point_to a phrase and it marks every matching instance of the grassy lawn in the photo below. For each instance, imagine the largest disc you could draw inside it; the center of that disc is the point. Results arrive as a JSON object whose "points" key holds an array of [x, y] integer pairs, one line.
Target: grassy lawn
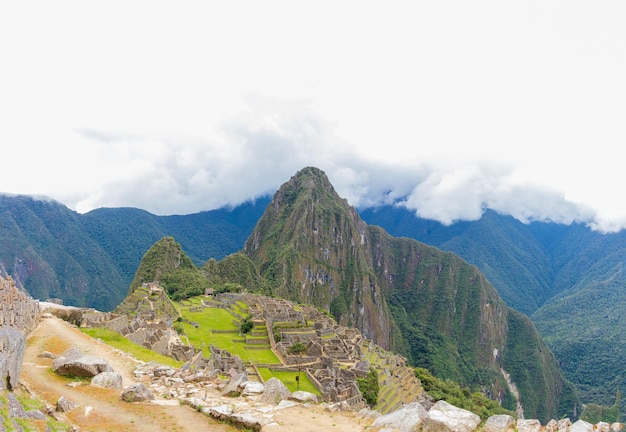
{"points": [[221, 319], [118, 341], [289, 379]]}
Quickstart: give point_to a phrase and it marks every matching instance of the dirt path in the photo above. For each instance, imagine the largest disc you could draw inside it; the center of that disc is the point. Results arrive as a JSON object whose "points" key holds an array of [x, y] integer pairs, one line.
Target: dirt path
{"points": [[108, 412]]}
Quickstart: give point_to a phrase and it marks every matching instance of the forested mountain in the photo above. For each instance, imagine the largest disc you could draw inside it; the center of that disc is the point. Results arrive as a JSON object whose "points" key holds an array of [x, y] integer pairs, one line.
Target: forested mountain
{"points": [[90, 259], [569, 279]]}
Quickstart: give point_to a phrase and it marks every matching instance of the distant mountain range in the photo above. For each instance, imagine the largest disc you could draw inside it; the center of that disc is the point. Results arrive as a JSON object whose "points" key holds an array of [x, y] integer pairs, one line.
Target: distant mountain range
{"points": [[568, 279]]}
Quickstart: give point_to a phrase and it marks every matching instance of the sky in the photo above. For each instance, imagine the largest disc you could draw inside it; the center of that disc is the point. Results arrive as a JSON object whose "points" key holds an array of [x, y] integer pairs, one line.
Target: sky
{"points": [[447, 108]]}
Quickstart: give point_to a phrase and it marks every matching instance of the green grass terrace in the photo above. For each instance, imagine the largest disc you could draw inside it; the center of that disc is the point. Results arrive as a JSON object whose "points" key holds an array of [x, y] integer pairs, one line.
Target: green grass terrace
{"points": [[220, 327]]}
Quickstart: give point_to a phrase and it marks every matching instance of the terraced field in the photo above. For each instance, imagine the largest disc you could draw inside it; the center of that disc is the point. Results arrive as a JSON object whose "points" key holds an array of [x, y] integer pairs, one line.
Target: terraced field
{"points": [[397, 384], [204, 323]]}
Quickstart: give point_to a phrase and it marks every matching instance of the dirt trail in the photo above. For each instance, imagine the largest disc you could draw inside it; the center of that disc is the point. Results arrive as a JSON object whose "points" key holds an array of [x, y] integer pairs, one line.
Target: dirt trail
{"points": [[109, 412]]}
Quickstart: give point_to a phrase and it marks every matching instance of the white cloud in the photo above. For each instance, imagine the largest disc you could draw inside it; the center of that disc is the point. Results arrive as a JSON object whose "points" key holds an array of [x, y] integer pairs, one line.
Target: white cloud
{"points": [[449, 107]]}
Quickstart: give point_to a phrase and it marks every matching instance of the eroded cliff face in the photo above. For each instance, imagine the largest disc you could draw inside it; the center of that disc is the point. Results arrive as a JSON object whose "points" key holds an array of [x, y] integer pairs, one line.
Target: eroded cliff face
{"points": [[19, 315]]}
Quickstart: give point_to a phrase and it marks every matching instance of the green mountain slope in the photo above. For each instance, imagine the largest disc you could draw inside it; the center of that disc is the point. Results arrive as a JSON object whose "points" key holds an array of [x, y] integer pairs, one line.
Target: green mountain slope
{"points": [[568, 278], [45, 248], [431, 305], [91, 259]]}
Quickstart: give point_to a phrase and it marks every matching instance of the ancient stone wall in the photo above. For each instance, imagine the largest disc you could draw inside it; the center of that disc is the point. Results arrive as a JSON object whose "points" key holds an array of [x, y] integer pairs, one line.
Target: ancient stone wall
{"points": [[19, 315], [18, 310]]}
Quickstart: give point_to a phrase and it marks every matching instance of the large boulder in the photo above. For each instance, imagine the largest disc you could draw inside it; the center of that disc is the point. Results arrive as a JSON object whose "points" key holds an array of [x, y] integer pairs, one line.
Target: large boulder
{"points": [[528, 425], [304, 397], [65, 405], [74, 363], [500, 423], [12, 346], [445, 417], [275, 391], [253, 388], [581, 426], [406, 419], [136, 393], [110, 380], [235, 385]]}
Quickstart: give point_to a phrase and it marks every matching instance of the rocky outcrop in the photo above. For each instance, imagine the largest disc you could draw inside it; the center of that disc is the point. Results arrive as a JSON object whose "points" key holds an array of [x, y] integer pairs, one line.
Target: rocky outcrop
{"points": [[137, 393], [406, 419], [444, 417], [74, 363], [110, 380], [19, 314]]}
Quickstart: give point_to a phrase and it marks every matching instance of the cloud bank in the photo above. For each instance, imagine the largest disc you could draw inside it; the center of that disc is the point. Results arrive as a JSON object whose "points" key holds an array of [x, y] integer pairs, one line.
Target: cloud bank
{"points": [[260, 148], [445, 108]]}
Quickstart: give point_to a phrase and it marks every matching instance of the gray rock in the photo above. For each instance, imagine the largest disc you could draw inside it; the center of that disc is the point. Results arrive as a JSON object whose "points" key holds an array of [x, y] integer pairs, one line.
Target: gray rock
{"points": [[563, 425], [499, 423], [275, 391], [73, 363], [581, 426], [303, 396], [235, 385], [12, 346], [48, 354], [552, 426], [136, 393], [253, 388], [72, 352], [160, 371], [405, 419], [16, 410], [110, 380], [444, 417], [240, 421], [65, 405], [198, 377], [528, 425], [35, 414]]}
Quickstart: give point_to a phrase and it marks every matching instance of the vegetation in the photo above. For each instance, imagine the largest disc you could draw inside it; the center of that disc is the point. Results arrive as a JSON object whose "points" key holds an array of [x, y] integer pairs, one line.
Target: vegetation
{"points": [[289, 379], [531, 372], [594, 413], [297, 349], [120, 342], [369, 387], [28, 402], [461, 397], [246, 325], [220, 327]]}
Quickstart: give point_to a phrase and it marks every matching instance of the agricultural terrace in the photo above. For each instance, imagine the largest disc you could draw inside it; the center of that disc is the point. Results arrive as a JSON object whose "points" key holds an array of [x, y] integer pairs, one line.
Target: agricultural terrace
{"points": [[205, 324]]}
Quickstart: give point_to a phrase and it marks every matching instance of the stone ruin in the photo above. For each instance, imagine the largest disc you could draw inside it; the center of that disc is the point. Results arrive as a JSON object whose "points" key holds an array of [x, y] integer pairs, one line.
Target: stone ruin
{"points": [[327, 345], [225, 362]]}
